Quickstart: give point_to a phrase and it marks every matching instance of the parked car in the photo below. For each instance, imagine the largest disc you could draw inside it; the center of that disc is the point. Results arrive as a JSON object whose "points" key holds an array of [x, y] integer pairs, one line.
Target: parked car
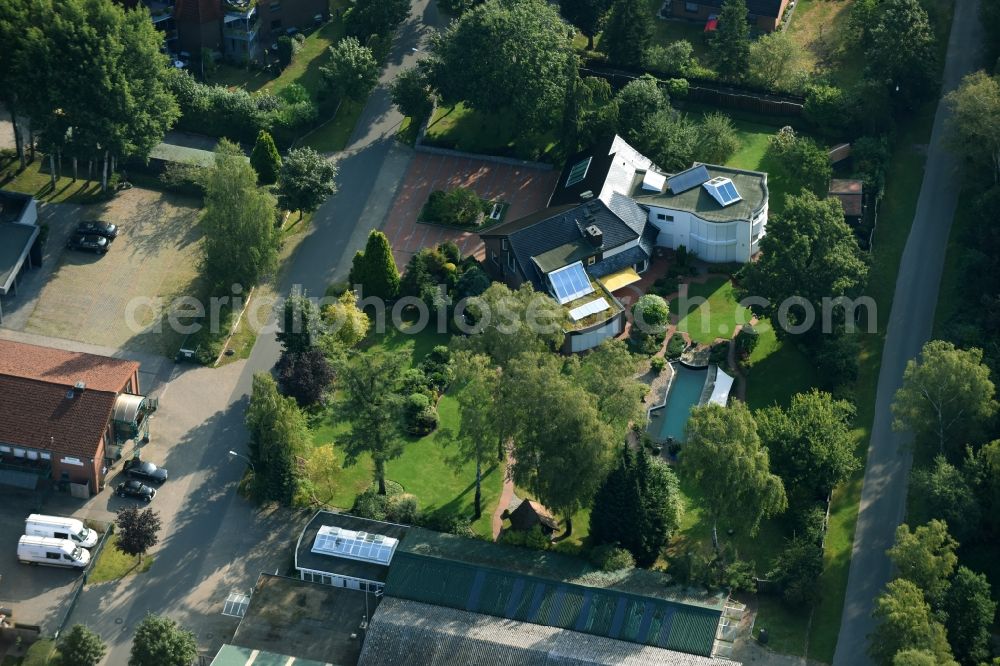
{"points": [[146, 471], [137, 489], [89, 243], [98, 228]]}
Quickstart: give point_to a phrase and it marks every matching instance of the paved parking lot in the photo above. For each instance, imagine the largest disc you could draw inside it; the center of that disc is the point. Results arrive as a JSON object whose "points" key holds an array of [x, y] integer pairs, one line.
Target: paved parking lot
{"points": [[36, 594], [525, 189], [83, 296]]}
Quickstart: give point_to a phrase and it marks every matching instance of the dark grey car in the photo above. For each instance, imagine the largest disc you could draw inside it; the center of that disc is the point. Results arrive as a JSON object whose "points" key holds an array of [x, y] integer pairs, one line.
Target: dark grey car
{"points": [[135, 489], [88, 243], [98, 228], [146, 471]]}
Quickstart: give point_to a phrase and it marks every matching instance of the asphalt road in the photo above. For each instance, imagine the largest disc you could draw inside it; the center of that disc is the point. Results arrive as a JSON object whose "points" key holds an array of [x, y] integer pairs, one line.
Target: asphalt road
{"points": [[883, 497], [214, 542]]}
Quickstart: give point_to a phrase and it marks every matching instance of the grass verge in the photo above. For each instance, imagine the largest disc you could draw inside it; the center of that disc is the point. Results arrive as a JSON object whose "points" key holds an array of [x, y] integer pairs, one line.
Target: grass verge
{"points": [[113, 564], [333, 135], [33, 181], [461, 128]]}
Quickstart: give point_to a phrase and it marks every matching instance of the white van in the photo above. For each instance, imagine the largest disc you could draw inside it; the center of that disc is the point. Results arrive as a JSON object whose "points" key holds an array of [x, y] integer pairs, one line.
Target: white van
{"points": [[57, 527], [53, 552]]}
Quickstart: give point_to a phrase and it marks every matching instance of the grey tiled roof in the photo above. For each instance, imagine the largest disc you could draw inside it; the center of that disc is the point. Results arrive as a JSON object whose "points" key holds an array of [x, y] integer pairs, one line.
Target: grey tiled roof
{"points": [[629, 257], [560, 227]]}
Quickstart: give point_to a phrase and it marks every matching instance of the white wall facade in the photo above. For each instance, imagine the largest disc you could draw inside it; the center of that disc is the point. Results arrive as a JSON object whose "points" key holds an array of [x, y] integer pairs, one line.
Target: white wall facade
{"points": [[714, 242]]}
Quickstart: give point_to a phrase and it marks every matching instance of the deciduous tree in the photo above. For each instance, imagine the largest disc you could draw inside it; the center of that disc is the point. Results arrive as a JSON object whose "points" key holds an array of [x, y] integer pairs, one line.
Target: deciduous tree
{"points": [[670, 139], [375, 268], [346, 324], [377, 17], [809, 253], [509, 323], [305, 376], [974, 124], [946, 395], [717, 138], [265, 159], [480, 431], [628, 33], [562, 447], [811, 445], [159, 641], [80, 647], [970, 611], [278, 432], [608, 373], [373, 407], [411, 94], [775, 61], [638, 100], [948, 496], [741, 492], [925, 556], [905, 622], [513, 58], [901, 54], [306, 180], [241, 241], [799, 162], [137, 530], [586, 15], [351, 70]]}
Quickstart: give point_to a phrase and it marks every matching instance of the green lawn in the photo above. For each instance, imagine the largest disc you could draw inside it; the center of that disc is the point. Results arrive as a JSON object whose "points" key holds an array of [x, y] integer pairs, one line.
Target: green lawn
{"points": [[113, 564], [32, 181], [305, 66], [710, 311], [423, 469], [463, 129], [665, 32], [777, 371], [334, 134], [40, 653]]}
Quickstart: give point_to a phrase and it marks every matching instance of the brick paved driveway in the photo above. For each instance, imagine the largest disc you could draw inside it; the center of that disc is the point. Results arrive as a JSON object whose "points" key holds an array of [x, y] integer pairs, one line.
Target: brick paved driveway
{"points": [[525, 189]]}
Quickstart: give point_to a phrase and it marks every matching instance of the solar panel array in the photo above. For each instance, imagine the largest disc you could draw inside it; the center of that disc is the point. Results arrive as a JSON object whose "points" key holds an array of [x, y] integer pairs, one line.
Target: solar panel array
{"points": [[570, 282], [578, 172], [353, 545], [689, 179], [723, 191], [593, 307]]}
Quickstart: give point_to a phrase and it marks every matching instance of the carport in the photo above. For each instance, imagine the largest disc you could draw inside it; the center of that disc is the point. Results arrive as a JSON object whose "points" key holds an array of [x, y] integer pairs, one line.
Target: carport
{"points": [[18, 232]]}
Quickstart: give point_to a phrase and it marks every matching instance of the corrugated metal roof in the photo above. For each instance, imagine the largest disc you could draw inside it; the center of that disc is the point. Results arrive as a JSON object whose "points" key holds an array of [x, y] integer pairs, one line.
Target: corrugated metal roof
{"points": [[417, 634], [515, 596]]}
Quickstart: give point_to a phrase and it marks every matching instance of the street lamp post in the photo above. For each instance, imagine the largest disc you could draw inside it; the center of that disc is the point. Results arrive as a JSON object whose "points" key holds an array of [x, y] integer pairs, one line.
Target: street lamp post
{"points": [[240, 455]]}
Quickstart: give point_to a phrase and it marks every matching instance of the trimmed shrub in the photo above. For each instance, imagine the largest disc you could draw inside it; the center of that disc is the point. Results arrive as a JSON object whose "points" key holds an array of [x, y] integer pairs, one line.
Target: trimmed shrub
{"points": [[676, 346], [402, 509], [459, 207], [421, 415], [746, 340], [611, 558], [657, 364], [651, 314], [533, 538], [719, 354]]}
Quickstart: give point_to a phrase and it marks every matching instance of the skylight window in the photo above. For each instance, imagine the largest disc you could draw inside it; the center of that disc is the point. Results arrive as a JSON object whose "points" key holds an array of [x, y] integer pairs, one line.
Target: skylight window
{"points": [[339, 542], [723, 191], [578, 172], [570, 282], [593, 307]]}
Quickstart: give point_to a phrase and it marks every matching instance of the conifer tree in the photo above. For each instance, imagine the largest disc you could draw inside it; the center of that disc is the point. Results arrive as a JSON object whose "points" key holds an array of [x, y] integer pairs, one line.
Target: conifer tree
{"points": [[265, 159]]}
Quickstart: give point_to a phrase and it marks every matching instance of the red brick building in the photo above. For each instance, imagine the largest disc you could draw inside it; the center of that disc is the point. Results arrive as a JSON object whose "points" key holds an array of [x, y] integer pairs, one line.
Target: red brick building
{"points": [[66, 416]]}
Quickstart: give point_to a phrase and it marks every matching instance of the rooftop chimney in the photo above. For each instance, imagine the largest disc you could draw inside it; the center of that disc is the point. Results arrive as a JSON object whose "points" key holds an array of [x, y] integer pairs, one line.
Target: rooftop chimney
{"points": [[594, 235]]}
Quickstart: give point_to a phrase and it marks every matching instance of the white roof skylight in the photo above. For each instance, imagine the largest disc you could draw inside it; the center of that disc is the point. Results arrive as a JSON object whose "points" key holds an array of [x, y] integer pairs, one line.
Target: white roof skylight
{"points": [[652, 181], [592, 307], [722, 190], [570, 282], [578, 172], [363, 546]]}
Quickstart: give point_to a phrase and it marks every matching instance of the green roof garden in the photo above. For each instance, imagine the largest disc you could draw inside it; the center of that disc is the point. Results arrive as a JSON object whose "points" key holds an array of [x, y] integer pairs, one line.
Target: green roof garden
{"points": [[751, 186]]}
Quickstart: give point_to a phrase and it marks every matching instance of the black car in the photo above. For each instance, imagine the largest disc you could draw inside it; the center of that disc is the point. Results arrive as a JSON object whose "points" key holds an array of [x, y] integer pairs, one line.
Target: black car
{"points": [[98, 228], [88, 242], [147, 471], [135, 489]]}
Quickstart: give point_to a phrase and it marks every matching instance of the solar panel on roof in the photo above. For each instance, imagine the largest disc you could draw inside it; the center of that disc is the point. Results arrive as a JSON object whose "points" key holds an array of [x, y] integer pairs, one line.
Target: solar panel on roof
{"points": [[687, 180], [578, 172], [570, 282], [353, 545], [578, 313]]}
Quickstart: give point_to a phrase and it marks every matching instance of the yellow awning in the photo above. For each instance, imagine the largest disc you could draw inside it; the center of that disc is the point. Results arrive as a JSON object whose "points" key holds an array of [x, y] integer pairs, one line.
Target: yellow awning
{"points": [[622, 278]]}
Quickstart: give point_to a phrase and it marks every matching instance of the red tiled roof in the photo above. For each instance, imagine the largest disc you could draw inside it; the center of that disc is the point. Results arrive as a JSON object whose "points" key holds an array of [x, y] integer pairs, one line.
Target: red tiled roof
{"points": [[65, 368], [39, 415], [198, 11]]}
